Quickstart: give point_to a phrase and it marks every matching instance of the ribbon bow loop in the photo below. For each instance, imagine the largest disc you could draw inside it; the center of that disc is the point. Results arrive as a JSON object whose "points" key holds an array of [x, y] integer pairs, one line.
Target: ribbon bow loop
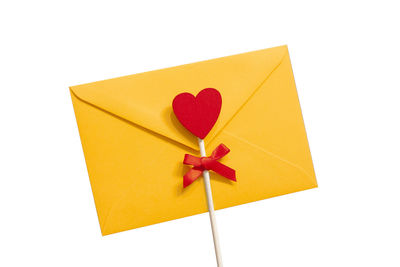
{"points": [[208, 163]]}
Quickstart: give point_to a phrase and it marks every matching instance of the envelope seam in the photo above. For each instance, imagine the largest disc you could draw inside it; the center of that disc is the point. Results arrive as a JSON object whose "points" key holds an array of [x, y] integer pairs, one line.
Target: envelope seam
{"points": [[271, 154], [250, 97], [104, 223], [138, 126]]}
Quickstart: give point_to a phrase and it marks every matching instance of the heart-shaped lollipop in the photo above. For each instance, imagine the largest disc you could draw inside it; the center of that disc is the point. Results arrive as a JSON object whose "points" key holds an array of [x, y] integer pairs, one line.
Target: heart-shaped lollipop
{"points": [[198, 114]]}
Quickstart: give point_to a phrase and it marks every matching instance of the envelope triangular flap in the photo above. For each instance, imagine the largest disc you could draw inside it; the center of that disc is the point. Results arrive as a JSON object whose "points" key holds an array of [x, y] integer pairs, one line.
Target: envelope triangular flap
{"points": [[145, 99]]}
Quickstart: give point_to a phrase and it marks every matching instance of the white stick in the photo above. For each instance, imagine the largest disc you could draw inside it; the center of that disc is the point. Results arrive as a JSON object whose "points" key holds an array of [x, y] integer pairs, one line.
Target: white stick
{"points": [[210, 204]]}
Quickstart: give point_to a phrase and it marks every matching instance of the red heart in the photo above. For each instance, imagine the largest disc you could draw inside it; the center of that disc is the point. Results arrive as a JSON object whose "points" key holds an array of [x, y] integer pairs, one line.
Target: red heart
{"points": [[198, 114]]}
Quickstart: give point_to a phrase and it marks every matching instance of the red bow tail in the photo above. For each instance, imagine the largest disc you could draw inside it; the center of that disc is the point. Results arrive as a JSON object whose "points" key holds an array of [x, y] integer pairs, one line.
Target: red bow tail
{"points": [[208, 163]]}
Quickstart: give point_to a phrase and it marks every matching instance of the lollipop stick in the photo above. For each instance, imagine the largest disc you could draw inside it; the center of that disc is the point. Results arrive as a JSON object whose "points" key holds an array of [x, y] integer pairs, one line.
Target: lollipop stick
{"points": [[210, 204]]}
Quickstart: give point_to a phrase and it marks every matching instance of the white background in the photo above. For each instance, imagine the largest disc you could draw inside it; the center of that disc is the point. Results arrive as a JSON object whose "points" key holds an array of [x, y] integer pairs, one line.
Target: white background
{"points": [[346, 60]]}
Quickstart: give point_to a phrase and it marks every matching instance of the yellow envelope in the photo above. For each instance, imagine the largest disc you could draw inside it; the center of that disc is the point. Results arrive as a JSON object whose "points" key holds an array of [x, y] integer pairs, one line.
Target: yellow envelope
{"points": [[134, 145]]}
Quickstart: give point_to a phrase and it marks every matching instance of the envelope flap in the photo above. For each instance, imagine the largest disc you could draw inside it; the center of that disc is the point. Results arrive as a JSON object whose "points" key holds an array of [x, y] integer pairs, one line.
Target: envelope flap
{"points": [[145, 99]]}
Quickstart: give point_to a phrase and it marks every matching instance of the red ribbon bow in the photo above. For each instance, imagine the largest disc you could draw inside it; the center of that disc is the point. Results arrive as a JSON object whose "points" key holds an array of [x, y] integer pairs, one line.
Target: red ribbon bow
{"points": [[207, 163]]}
